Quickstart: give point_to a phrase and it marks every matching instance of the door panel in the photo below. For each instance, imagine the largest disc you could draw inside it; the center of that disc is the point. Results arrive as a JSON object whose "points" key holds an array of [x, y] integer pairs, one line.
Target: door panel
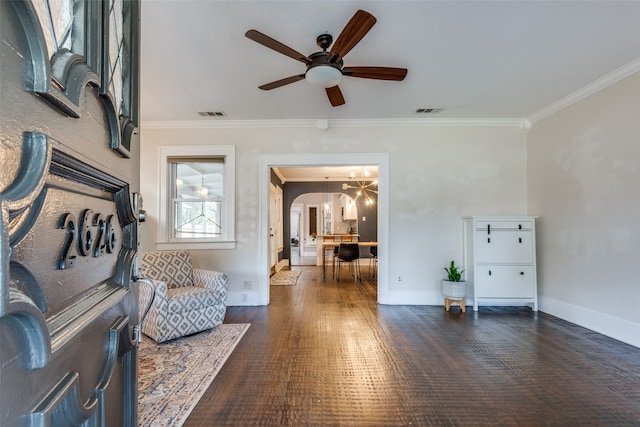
{"points": [[69, 226]]}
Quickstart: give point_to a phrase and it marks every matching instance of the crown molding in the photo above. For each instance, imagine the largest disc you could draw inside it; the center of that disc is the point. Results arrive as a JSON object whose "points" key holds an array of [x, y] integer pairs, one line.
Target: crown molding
{"points": [[324, 124], [596, 86]]}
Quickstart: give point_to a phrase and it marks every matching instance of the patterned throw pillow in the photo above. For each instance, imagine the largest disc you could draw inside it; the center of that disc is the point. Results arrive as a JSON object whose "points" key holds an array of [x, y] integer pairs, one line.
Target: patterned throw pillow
{"points": [[172, 267]]}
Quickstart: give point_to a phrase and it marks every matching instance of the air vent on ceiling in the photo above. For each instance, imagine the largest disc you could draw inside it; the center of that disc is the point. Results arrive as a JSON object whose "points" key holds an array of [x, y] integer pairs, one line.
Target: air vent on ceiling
{"points": [[428, 110], [212, 113]]}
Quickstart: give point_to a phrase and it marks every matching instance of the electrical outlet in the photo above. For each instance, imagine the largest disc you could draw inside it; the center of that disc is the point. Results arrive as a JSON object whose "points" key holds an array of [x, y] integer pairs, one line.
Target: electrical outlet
{"points": [[245, 297], [247, 284], [399, 278]]}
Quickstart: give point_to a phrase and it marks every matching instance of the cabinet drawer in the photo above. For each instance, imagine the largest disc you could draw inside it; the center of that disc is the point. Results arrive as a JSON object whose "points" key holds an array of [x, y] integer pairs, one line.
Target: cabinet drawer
{"points": [[504, 225], [511, 281], [504, 247]]}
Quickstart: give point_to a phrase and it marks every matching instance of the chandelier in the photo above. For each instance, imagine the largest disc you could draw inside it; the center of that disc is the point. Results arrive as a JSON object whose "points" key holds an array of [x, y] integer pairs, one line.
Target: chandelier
{"points": [[362, 186]]}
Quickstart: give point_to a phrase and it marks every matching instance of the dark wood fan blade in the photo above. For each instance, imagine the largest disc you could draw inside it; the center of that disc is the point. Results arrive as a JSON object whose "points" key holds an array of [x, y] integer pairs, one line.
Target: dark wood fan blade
{"points": [[353, 32], [335, 96], [267, 41], [282, 82], [379, 73]]}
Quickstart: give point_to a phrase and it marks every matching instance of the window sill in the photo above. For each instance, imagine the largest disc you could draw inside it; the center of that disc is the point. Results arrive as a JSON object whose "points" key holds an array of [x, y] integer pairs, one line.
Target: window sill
{"points": [[220, 244]]}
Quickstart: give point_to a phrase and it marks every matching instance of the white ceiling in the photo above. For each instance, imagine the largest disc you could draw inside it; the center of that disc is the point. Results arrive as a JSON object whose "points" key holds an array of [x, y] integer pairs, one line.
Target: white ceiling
{"points": [[475, 59]]}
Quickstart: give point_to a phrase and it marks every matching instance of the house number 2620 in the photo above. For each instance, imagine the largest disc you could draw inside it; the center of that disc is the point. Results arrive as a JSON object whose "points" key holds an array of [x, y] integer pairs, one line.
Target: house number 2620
{"points": [[93, 235]]}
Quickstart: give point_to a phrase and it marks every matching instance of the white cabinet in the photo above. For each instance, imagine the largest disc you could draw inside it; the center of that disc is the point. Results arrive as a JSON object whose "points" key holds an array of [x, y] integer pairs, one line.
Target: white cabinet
{"points": [[348, 210], [500, 260]]}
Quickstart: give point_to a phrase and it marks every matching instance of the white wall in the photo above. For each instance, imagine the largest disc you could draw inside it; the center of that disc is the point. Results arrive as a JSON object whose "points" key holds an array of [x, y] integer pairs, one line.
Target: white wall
{"points": [[584, 183], [437, 176]]}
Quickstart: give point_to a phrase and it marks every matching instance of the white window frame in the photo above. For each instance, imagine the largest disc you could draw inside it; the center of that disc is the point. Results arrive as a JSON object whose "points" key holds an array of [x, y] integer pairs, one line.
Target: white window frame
{"points": [[165, 227]]}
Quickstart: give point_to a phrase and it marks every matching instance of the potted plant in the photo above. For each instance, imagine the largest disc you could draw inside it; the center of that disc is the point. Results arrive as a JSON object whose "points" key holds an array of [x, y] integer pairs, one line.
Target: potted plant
{"points": [[453, 287]]}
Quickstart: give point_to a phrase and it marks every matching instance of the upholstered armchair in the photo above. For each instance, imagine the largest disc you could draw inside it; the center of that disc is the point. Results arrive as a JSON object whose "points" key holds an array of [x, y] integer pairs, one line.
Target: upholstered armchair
{"points": [[187, 300]]}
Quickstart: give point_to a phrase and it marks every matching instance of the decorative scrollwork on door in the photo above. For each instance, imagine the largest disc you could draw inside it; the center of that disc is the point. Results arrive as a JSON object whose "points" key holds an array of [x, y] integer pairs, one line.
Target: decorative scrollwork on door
{"points": [[86, 44]]}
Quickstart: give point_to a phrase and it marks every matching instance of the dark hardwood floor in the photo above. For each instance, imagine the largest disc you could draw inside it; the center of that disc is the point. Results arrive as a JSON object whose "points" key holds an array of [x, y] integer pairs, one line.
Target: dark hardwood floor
{"points": [[325, 354]]}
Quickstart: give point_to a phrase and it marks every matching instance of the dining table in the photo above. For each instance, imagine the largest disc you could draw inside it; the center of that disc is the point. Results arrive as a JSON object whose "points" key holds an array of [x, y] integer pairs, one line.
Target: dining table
{"points": [[333, 244]]}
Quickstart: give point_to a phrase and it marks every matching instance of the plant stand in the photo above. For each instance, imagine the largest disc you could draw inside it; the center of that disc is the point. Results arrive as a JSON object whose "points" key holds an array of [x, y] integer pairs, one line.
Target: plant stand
{"points": [[448, 301], [454, 292]]}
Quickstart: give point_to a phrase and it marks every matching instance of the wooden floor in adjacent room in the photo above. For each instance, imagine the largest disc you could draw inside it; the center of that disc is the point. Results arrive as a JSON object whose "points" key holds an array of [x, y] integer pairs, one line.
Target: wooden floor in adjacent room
{"points": [[326, 354]]}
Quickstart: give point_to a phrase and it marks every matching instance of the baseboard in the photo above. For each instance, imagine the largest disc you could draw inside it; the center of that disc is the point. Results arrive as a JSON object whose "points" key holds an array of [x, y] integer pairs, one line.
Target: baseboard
{"points": [[611, 326], [282, 264], [400, 297], [430, 297]]}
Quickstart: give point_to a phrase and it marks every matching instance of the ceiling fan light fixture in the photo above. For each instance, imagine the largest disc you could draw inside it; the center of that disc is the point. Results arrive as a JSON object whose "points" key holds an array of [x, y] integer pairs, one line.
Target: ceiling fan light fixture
{"points": [[325, 68], [323, 76]]}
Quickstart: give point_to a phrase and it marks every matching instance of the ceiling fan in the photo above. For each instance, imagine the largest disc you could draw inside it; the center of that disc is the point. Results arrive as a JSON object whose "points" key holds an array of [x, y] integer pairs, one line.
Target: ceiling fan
{"points": [[325, 69]]}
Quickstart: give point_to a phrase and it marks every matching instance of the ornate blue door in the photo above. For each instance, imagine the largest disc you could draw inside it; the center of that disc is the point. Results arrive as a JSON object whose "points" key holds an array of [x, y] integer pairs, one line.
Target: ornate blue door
{"points": [[69, 212]]}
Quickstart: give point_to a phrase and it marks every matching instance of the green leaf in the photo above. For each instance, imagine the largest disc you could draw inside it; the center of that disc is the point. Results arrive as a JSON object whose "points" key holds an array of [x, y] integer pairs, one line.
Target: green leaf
{"points": [[452, 273]]}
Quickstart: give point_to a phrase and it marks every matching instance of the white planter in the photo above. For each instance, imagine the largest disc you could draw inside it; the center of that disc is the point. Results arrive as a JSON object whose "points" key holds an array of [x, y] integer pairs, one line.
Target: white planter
{"points": [[453, 290]]}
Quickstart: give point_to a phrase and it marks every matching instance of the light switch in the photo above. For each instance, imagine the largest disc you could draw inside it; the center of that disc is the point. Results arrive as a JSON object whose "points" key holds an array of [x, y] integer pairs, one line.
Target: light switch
{"points": [[364, 218]]}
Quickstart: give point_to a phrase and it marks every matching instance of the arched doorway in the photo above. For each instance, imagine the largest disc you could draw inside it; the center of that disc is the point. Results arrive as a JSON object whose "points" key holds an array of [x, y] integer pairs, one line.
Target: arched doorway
{"points": [[315, 214]]}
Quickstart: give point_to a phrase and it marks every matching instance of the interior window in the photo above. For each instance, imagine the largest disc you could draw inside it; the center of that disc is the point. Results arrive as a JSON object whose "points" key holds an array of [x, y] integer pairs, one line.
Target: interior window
{"points": [[197, 197], [197, 203]]}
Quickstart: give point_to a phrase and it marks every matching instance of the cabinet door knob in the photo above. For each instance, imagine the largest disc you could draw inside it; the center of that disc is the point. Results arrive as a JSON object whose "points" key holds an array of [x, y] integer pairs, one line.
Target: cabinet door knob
{"points": [[519, 239], [489, 272], [522, 273], [488, 239], [519, 226]]}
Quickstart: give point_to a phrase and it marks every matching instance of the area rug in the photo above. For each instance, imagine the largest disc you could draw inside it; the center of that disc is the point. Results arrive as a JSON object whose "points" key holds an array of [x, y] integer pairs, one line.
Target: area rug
{"points": [[172, 376], [285, 278]]}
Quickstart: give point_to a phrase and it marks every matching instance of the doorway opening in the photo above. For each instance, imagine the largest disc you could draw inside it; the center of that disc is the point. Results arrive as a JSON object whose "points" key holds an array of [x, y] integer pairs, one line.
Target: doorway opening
{"points": [[380, 160]]}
